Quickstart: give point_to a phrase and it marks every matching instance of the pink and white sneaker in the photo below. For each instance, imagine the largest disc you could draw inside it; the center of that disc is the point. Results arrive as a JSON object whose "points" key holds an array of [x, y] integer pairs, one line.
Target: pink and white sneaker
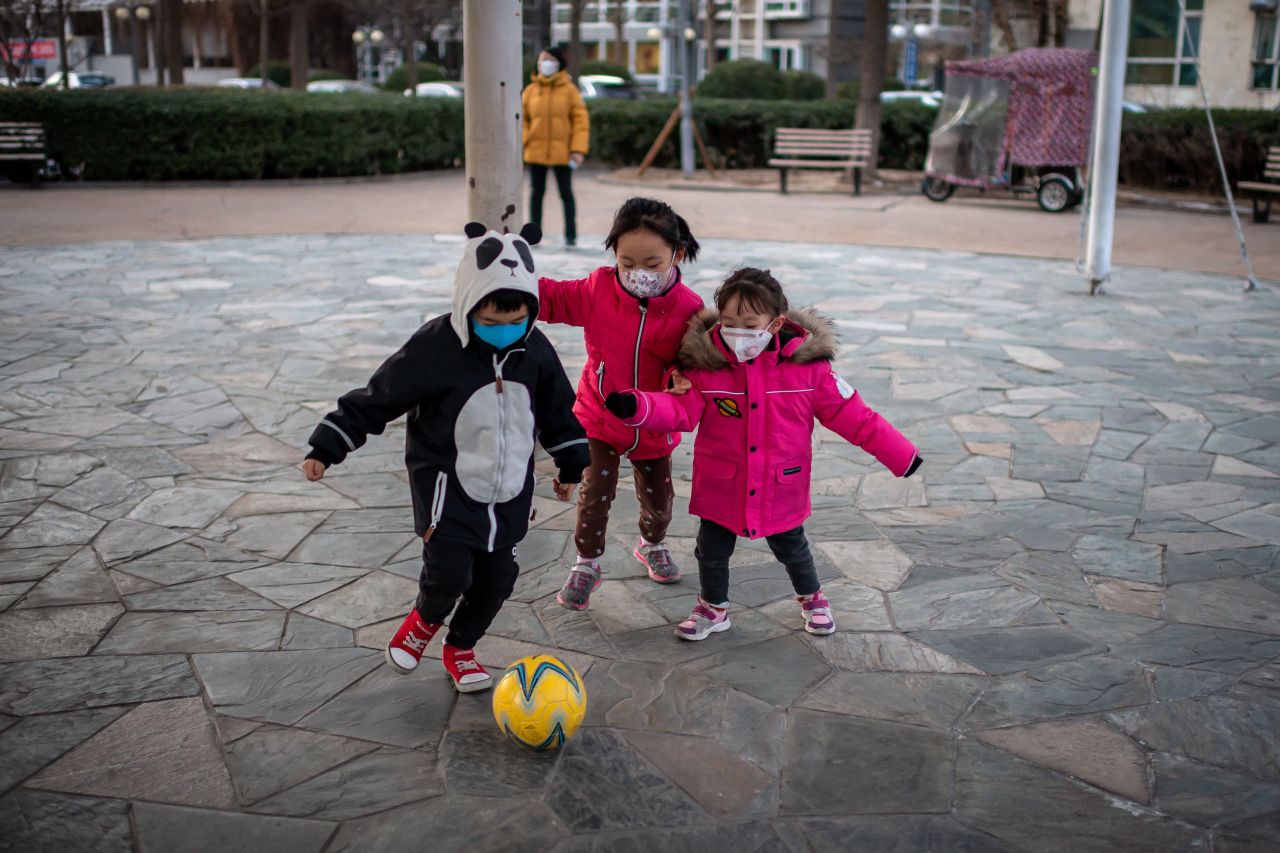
{"points": [[817, 613], [703, 622], [405, 649], [467, 673], [657, 559]]}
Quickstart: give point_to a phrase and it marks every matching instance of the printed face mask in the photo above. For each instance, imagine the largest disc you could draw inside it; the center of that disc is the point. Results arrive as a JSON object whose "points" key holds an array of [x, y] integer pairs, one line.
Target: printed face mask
{"points": [[500, 337], [647, 284], [548, 67], [746, 343]]}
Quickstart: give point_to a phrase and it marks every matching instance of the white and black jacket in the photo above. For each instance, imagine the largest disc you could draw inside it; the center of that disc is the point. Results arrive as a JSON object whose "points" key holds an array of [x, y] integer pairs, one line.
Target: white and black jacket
{"points": [[474, 411]]}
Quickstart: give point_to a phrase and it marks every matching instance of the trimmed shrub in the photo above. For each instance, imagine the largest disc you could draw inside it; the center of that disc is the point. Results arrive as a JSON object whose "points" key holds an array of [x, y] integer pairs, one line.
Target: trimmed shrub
{"points": [[1172, 149], [278, 72], [804, 86], [597, 66], [746, 79], [129, 134], [325, 74], [398, 80]]}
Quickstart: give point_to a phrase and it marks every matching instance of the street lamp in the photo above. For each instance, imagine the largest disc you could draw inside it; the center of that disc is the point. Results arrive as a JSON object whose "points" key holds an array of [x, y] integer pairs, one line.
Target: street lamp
{"points": [[682, 36], [133, 14], [367, 39]]}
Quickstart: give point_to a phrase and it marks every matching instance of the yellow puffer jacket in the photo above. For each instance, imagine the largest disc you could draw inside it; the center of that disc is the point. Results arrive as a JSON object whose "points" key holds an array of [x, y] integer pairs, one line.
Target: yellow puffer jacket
{"points": [[555, 120]]}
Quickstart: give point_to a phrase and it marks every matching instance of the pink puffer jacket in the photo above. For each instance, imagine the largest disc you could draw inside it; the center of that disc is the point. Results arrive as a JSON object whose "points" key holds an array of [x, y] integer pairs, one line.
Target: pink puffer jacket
{"points": [[753, 454], [631, 343]]}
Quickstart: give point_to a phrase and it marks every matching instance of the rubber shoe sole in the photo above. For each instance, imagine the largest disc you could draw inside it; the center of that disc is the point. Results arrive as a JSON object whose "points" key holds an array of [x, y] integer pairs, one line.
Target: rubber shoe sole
{"points": [[652, 576], [472, 686], [583, 606], [391, 662], [714, 629]]}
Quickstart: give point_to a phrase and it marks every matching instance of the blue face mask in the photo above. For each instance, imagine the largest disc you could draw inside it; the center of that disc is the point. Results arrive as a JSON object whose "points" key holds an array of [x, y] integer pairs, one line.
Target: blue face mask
{"points": [[500, 337]]}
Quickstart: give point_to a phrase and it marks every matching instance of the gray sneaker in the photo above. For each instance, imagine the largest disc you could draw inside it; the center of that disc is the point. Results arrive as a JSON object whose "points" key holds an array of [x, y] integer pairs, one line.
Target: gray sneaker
{"points": [[657, 559], [584, 579]]}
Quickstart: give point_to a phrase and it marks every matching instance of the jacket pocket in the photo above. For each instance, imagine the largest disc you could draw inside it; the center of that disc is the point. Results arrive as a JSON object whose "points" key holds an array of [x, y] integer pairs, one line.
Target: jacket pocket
{"points": [[716, 469], [791, 486]]}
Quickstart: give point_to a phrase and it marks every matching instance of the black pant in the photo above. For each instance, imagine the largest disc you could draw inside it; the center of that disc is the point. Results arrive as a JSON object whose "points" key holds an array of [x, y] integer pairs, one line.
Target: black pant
{"points": [[483, 580], [715, 547], [538, 188]]}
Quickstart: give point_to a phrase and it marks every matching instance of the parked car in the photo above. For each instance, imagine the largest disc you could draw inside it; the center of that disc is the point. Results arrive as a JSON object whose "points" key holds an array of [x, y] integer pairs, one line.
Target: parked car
{"points": [[437, 89], [246, 83], [608, 86], [928, 99], [80, 80], [342, 87], [20, 83]]}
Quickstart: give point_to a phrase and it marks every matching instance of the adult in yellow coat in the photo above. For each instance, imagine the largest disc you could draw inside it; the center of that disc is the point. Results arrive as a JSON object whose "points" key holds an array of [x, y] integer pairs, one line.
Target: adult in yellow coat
{"points": [[557, 132]]}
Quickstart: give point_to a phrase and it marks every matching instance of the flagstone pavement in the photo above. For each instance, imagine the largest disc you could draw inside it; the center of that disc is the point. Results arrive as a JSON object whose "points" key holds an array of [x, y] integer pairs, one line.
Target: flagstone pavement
{"points": [[1064, 634]]}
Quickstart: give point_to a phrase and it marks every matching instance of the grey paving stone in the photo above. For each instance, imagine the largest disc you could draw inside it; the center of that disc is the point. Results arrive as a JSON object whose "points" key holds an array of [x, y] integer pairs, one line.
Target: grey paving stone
{"points": [[163, 828], [885, 767], [199, 631], [280, 687], [124, 539], [386, 707], [1217, 649], [202, 595], [896, 834], [303, 632], [54, 632], [1059, 690], [68, 684], [1208, 795], [43, 821], [1211, 565], [373, 598], [917, 699], [50, 524], [497, 824], [1216, 730], [292, 584], [485, 763], [104, 493], [193, 559], [964, 601], [80, 580], [32, 742], [778, 671], [270, 759], [1005, 650], [1229, 603], [1118, 558], [374, 782]]}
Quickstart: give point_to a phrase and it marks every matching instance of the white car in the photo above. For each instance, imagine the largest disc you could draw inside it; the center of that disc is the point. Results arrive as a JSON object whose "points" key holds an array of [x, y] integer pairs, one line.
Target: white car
{"points": [[437, 89], [607, 86], [342, 87], [246, 83], [928, 99], [79, 80]]}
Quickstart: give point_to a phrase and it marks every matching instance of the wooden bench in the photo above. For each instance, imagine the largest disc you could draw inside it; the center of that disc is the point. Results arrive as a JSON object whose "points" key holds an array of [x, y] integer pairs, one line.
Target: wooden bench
{"points": [[1262, 192], [23, 141], [809, 148]]}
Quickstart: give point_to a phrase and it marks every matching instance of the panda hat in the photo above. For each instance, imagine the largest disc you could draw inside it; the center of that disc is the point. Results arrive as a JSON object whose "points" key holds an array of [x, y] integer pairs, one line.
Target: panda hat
{"points": [[492, 262]]}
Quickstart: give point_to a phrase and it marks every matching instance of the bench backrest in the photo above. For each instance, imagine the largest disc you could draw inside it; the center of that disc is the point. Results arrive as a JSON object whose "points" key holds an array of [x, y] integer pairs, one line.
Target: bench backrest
{"points": [[812, 142], [21, 136], [1271, 171]]}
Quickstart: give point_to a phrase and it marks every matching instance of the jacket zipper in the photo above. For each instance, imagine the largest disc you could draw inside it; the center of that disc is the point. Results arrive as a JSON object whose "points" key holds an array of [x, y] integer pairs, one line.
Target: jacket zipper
{"points": [[502, 449], [644, 315], [600, 380], [437, 504]]}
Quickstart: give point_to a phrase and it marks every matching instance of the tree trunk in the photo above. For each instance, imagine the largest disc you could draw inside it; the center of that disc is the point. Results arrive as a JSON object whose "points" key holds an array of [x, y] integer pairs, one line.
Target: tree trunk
{"points": [[410, 58], [833, 47], [1000, 12], [620, 32], [575, 36], [871, 60], [264, 41], [709, 34], [299, 43], [64, 67], [172, 36]]}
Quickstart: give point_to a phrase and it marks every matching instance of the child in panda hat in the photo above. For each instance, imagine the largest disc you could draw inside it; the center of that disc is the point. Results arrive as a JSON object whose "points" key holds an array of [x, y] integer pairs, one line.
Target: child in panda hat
{"points": [[479, 385]]}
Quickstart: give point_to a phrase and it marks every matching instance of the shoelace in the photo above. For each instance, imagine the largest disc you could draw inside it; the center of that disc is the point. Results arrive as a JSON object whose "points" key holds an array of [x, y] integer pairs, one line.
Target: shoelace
{"points": [[465, 664], [580, 579], [705, 612]]}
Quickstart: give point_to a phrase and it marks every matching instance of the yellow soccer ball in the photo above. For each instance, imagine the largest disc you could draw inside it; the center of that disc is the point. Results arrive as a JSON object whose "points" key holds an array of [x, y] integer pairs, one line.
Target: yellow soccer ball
{"points": [[539, 702]]}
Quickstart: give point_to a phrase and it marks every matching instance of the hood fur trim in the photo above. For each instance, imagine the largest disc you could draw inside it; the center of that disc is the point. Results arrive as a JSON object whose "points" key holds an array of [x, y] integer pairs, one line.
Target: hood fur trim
{"points": [[699, 351]]}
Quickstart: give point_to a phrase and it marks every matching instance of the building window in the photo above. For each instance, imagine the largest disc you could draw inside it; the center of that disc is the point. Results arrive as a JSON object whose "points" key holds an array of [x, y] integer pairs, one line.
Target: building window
{"points": [[1164, 44], [1266, 53], [648, 57], [786, 8]]}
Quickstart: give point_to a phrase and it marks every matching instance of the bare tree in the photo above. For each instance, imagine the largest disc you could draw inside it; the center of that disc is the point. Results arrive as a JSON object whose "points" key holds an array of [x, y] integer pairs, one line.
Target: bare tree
{"points": [[871, 62], [709, 33], [576, 8], [171, 35], [618, 17], [1001, 13], [407, 34], [299, 43], [21, 22]]}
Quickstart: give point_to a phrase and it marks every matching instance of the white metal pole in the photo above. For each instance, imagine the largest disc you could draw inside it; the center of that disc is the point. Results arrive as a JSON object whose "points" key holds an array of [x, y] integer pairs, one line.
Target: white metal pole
{"points": [[1106, 142], [686, 76], [735, 28], [491, 32], [759, 29]]}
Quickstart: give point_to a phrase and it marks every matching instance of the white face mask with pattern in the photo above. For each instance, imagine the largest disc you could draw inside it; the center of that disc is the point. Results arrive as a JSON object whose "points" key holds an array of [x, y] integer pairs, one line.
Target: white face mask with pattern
{"points": [[646, 284], [746, 343]]}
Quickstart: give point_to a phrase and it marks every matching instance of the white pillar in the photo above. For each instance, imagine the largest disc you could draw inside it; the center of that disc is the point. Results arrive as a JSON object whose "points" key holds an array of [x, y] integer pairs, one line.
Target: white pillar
{"points": [[735, 28], [106, 31], [1106, 142], [759, 30], [686, 80], [491, 32]]}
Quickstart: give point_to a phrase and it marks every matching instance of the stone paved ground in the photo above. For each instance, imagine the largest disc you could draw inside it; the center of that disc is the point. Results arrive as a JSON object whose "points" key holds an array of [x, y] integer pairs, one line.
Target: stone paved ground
{"points": [[1064, 635]]}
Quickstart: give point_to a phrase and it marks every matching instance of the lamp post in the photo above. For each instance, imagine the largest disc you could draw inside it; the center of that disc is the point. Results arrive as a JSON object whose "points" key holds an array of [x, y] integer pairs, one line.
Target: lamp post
{"points": [[133, 14], [682, 36], [366, 39]]}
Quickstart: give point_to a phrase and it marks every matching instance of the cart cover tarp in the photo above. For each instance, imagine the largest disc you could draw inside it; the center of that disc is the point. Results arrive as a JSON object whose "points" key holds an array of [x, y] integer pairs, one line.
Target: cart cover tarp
{"points": [[1050, 102], [966, 145]]}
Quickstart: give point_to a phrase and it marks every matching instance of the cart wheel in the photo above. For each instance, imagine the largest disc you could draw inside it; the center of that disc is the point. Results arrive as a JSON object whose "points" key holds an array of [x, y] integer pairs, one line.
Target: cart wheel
{"points": [[1054, 194], [936, 189]]}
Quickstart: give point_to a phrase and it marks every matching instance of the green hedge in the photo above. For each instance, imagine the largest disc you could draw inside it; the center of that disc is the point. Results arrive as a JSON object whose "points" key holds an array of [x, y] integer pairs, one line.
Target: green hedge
{"points": [[227, 134], [1172, 149], [744, 78], [397, 81]]}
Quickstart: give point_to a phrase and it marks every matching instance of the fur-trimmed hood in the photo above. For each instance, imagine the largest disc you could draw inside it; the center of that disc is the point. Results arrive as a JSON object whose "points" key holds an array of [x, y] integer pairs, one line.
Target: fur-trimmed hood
{"points": [[806, 337]]}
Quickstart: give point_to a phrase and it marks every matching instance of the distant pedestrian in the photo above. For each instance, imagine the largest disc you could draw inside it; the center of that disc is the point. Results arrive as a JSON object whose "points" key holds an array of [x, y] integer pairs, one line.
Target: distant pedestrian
{"points": [[557, 132]]}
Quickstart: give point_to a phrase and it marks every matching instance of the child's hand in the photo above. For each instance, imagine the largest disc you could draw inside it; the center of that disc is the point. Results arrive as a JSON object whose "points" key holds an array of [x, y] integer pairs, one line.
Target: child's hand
{"points": [[679, 385], [313, 468], [564, 491]]}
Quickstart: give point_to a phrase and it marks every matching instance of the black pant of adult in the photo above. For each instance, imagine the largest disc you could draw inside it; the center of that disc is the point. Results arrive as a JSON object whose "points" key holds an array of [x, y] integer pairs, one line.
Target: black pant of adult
{"points": [[716, 545], [538, 188], [483, 581]]}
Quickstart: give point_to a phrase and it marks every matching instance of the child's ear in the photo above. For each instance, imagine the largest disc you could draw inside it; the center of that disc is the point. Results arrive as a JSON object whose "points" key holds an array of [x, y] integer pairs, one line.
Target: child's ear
{"points": [[474, 230], [776, 325], [531, 233]]}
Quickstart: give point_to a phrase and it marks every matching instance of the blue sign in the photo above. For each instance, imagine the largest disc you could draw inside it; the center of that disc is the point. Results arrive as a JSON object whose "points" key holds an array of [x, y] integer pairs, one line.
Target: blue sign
{"points": [[911, 63]]}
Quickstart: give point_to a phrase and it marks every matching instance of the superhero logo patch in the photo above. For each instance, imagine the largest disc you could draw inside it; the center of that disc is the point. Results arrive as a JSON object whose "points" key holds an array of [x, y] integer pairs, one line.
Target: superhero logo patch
{"points": [[728, 407]]}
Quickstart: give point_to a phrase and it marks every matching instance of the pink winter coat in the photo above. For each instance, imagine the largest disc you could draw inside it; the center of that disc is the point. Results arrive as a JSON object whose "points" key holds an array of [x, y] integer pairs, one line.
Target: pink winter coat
{"points": [[753, 454], [631, 343]]}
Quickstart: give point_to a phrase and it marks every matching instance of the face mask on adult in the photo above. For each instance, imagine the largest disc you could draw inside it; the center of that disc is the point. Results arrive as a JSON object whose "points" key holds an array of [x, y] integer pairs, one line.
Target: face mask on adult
{"points": [[548, 67], [646, 284], [500, 337]]}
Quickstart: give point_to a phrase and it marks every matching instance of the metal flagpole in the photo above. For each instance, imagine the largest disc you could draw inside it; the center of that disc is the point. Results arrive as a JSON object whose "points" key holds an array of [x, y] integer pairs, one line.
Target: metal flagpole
{"points": [[1106, 142]]}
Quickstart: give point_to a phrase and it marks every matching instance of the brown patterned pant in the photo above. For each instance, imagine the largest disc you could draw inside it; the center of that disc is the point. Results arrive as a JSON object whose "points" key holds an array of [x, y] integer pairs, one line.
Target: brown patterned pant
{"points": [[600, 486]]}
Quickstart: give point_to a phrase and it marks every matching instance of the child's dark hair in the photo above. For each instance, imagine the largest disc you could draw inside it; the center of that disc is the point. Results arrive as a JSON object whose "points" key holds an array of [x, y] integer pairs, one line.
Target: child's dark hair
{"points": [[505, 301], [756, 289], [658, 217]]}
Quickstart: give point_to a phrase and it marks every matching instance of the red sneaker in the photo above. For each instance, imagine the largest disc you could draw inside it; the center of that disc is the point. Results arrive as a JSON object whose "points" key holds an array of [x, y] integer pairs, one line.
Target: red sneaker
{"points": [[405, 649], [467, 673]]}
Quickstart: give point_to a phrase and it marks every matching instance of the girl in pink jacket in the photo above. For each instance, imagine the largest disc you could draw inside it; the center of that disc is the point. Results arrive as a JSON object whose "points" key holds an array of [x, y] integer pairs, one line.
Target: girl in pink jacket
{"points": [[761, 376], [634, 315]]}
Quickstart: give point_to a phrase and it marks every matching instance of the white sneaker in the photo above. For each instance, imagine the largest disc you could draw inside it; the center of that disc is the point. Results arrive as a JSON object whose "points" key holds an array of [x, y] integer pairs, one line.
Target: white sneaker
{"points": [[704, 621]]}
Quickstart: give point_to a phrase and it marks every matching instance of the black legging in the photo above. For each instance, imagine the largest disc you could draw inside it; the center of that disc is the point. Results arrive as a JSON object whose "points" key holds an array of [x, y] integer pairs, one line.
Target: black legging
{"points": [[538, 188]]}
